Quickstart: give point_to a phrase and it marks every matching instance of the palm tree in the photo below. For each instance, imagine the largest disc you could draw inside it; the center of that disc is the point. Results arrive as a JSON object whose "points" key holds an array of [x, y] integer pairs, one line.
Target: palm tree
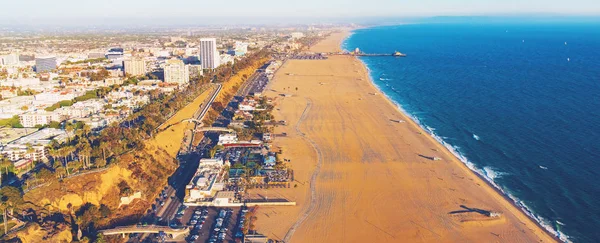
{"points": [[85, 150], [6, 163], [104, 146], [53, 152], [64, 153], [69, 127], [86, 130], [4, 207]]}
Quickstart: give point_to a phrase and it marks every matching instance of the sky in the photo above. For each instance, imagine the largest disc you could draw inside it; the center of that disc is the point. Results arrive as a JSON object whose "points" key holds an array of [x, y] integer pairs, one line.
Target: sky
{"points": [[69, 10]]}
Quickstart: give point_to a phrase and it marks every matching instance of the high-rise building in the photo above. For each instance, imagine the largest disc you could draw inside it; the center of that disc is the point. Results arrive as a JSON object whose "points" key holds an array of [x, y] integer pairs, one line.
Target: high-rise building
{"points": [[43, 64], [10, 59], [115, 53], [135, 66], [209, 56], [176, 72]]}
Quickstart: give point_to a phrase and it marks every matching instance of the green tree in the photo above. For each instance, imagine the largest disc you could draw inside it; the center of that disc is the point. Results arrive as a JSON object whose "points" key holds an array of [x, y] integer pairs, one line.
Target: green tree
{"points": [[100, 238], [54, 124], [11, 195], [105, 211], [44, 174], [88, 216]]}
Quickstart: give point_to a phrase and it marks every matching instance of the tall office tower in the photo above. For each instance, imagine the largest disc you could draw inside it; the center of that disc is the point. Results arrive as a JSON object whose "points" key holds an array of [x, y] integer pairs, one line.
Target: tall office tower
{"points": [[135, 66], [176, 72], [43, 64], [209, 56]]}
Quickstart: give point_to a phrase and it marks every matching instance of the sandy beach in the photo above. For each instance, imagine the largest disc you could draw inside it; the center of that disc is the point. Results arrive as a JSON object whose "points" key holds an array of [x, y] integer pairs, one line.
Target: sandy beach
{"points": [[374, 180]]}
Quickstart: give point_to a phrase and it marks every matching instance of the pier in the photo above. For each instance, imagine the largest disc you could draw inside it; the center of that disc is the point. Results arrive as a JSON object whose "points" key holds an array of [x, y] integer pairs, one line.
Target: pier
{"points": [[358, 53], [379, 55]]}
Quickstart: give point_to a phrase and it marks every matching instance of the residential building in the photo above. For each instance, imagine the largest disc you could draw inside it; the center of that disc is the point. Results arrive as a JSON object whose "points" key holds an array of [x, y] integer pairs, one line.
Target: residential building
{"points": [[33, 119], [15, 106], [297, 35], [135, 66], [115, 53], [45, 63], [226, 58], [10, 59], [176, 72], [209, 56], [95, 55], [49, 98], [16, 152], [195, 71], [43, 137], [227, 138], [241, 48]]}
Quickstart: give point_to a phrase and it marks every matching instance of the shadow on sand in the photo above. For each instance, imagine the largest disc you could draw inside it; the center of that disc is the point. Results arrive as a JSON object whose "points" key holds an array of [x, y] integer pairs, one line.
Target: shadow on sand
{"points": [[469, 210]]}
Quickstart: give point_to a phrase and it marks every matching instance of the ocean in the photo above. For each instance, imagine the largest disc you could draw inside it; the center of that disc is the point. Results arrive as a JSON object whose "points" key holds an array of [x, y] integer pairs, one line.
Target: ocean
{"points": [[519, 103]]}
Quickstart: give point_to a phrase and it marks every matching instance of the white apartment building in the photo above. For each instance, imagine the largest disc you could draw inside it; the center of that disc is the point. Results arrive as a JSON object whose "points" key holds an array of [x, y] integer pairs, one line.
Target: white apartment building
{"points": [[227, 139], [33, 119], [177, 72], [10, 59], [135, 66], [134, 102], [209, 55], [16, 152], [81, 109]]}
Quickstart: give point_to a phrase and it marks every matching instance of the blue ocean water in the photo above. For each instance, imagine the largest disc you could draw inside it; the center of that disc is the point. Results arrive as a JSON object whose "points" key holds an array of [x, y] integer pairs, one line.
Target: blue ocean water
{"points": [[520, 103]]}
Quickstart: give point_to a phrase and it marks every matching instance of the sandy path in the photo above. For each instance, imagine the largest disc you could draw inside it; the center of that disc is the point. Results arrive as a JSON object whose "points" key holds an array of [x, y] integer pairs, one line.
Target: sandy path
{"points": [[373, 185]]}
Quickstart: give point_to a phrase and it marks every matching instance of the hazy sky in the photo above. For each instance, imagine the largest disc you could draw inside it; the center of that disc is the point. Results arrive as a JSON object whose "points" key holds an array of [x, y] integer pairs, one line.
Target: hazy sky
{"points": [[70, 9]]}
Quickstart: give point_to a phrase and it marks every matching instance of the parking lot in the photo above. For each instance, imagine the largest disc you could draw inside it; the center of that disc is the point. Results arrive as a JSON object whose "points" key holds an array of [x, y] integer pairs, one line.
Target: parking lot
{"points": [[309, 57], [210, 224]]}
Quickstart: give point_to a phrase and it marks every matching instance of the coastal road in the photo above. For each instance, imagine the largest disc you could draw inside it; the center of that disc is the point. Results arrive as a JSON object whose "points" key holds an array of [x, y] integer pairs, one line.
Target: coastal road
{"points": [[184, 173]]}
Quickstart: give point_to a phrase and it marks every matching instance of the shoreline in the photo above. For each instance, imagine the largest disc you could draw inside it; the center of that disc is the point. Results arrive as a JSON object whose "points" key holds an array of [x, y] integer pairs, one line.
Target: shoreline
{"points": [[372, 184], [450, 149]]}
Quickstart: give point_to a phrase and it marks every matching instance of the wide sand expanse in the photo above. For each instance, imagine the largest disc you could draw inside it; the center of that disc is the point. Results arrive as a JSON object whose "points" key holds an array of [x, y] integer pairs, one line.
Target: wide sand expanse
{"points": [[374, 182]]}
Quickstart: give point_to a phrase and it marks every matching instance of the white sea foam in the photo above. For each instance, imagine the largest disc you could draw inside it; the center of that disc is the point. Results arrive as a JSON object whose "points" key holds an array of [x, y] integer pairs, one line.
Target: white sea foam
{"points": [[489, 176], [492, 173]]}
